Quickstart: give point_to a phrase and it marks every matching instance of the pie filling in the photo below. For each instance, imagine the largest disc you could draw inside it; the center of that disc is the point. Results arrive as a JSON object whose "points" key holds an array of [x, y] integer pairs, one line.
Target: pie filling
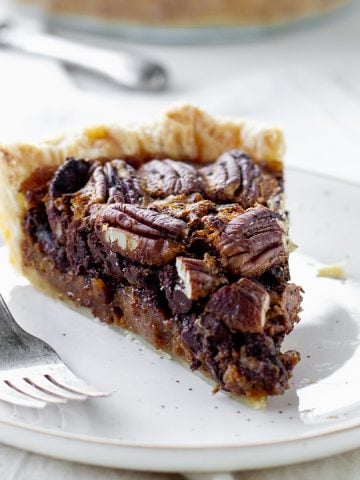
{"points": [[193, 259]]}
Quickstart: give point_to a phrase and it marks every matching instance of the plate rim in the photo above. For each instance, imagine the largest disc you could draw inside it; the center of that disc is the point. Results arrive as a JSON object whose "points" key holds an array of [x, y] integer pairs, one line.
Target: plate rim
{"points": [[327, 176], [113, 442], [188, 459]]}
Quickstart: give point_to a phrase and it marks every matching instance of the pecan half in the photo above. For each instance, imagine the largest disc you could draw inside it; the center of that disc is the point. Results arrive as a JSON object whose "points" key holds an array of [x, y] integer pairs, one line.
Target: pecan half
{"points": [[233, 177], [142, 234], [123, 184], [242, 306], [198, 278], [167, 177], [115, 181], [253, 242]]}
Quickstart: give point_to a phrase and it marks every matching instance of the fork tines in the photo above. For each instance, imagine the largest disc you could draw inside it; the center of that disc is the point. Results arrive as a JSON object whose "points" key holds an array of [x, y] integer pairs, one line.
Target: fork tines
{"points": [[41, 385]]}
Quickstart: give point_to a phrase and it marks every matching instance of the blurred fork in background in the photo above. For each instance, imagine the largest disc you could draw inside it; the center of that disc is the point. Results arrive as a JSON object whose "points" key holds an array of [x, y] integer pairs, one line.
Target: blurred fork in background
{"points": [[126, 69]]}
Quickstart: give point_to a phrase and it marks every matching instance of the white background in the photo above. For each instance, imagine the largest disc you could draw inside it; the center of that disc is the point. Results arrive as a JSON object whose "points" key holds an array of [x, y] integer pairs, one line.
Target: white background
{"points": [[307, 81]]}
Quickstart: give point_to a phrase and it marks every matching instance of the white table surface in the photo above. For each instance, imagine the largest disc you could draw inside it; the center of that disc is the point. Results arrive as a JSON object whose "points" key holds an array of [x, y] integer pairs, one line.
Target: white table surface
{"points": [[307, 81]]}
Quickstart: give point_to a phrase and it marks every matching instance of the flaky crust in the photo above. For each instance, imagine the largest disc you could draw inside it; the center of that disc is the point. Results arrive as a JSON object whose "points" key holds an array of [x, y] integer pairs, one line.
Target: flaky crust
{"points": [[182, 133]]}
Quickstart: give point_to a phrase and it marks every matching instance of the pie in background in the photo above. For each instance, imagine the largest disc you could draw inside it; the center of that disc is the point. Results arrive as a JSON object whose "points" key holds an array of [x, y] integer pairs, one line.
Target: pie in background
{"points": [[187, 13]]}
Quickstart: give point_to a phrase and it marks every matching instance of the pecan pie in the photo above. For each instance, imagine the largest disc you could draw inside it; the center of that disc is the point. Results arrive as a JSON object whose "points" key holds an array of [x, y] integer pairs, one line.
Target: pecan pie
{"points": [[175, 231]]}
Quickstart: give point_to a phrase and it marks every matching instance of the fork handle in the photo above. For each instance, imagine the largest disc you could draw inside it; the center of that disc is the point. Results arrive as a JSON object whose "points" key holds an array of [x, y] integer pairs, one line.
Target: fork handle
{"points": [[18, 347], [126, 69], [9, 329]]}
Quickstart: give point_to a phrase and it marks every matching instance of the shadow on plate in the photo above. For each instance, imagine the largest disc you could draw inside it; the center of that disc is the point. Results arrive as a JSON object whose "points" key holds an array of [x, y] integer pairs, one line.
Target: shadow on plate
{"points": [[327, 345]]}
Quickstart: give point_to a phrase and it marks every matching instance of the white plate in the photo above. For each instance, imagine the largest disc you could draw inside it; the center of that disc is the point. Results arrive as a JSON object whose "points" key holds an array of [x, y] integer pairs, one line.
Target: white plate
{"points": [[163, 417]]}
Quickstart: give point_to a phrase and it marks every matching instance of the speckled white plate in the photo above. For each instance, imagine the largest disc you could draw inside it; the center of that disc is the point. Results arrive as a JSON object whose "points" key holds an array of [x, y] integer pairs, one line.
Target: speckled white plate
{"points": [[163, 417]]}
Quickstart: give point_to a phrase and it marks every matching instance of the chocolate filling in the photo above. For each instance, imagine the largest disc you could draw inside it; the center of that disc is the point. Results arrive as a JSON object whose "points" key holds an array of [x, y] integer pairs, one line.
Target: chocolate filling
{"points": [[193, 259]]}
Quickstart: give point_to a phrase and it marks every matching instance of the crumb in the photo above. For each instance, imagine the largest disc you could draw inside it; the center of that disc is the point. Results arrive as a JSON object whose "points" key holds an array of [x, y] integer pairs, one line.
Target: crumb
{"points": [[292, 246], [308, 381], [164, 355], [335, 270], [215, 389]]}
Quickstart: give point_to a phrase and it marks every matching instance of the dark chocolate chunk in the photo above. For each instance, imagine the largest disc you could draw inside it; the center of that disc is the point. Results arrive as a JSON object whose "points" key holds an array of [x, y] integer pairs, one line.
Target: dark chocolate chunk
{"points": [[37, 226], [70, 177]]}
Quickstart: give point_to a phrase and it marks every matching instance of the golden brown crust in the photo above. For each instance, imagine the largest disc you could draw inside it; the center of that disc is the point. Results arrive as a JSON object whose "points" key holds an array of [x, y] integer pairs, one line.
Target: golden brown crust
{"points": [[182, 133]]}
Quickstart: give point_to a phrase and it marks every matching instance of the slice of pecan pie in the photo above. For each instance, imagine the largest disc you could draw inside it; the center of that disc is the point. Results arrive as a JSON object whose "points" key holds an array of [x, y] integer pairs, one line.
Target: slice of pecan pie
{"points": [[175, 231]]}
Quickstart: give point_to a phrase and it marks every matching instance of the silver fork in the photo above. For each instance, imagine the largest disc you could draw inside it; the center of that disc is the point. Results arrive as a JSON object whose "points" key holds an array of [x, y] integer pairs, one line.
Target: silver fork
{"points": [[31, 373], [124, 68]]}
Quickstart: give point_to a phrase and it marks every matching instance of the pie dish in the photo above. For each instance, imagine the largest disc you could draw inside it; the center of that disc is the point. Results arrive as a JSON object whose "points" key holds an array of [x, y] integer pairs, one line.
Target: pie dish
{"points": [[175, 231], [187, 12]]}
